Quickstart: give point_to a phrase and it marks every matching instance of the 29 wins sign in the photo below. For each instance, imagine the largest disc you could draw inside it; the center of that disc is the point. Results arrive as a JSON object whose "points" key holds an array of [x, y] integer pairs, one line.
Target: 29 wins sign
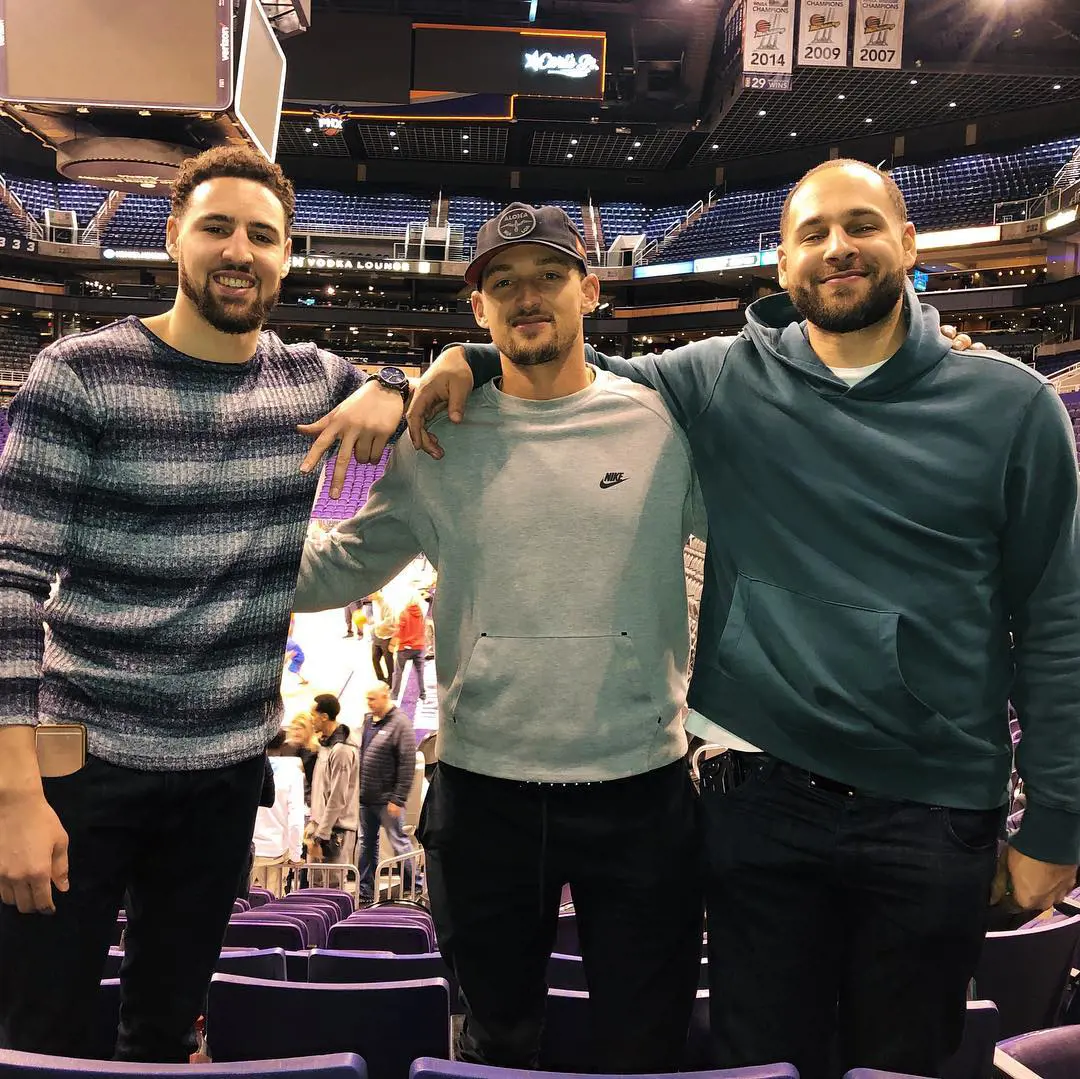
{"points": [[768, 37]]}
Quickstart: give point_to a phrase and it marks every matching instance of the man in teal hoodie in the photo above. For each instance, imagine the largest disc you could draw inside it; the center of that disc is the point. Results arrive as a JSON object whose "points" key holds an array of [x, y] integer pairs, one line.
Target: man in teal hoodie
{"points": [[893, 553]]}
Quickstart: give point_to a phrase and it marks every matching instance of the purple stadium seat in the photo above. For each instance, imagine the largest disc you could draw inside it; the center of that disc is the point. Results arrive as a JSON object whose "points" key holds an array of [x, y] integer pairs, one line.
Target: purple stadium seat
{"points": [[1050, 1054], [389, 1024], [343, 900], [250, 962], [266, 934], [973, 1060], [333, 966], [259, 897], [401, 938], [566, 972], [427, 1068], [34, 1066], [1025, 973]]}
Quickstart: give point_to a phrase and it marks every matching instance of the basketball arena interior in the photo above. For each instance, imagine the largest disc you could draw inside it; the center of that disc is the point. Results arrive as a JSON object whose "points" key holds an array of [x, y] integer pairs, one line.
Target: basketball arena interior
{"points": [[670, 132]]}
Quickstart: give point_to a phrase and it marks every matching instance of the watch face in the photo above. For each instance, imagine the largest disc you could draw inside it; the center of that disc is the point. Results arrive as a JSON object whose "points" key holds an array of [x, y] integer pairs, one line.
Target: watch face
{"points": [[392, 376]]}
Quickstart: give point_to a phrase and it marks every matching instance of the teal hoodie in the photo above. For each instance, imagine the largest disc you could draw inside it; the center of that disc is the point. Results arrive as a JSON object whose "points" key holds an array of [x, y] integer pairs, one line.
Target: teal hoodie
{"points": [[887, 563]]}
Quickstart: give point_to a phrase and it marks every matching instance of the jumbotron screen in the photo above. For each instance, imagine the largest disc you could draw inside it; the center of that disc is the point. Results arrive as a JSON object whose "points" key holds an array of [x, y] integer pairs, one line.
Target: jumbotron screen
{"points": [[117, 53]]}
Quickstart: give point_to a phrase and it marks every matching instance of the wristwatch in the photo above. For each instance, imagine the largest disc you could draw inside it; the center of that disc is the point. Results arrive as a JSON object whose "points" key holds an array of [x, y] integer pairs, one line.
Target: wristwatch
{"points": [[393, 379]]}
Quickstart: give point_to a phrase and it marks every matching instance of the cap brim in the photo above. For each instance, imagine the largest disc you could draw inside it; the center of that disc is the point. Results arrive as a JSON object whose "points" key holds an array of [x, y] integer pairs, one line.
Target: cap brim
{"points": [[474, 271]]}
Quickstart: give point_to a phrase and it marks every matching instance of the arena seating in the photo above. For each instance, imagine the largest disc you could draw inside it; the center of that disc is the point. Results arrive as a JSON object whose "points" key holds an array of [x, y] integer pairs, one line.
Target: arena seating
{"points": [[354, 494], [634, 218], [139, 222], [39, 195], [365, 215], [957, 192], [8, 225], [470, 212]]}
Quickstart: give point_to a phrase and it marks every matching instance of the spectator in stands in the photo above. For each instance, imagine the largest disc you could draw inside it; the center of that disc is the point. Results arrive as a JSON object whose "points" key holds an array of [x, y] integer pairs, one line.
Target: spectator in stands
{"points": [[150, 471], [383, 628], [294, 657], [302, 741], [387, 767], [886, 512], [279, 829], [527, 797], [410, 644], [335, 790]]}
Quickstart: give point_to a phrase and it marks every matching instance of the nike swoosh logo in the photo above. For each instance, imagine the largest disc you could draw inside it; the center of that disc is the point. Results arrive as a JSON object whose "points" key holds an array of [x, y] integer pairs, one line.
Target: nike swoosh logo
{"points": [[605, 484]]}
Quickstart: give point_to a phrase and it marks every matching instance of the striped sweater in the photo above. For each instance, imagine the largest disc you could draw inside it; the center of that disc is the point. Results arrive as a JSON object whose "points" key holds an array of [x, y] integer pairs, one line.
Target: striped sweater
{"points": [[152, 513]]}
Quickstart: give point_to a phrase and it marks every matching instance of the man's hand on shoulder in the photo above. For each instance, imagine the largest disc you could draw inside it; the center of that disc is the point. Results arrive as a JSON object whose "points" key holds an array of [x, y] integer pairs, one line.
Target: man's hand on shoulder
{"points": [[961, 342], [364, 422], [445, 387]]}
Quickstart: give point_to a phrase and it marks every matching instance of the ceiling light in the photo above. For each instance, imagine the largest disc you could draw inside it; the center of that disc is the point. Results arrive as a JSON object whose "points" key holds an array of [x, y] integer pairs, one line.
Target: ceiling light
{"points": [[793, 133], [393, 134], [629, 157], [840, 97], [636, 145], [464, 138], [464, 151], [952, 104], [913, 82], [761, 112], [569, 156], [1057, 85], [868, 120], [715, 146], [573, 142], [315, 145]]}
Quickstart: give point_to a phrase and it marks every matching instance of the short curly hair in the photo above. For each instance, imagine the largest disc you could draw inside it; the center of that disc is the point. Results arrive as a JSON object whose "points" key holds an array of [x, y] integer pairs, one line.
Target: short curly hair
{"points": [[241, 162]]}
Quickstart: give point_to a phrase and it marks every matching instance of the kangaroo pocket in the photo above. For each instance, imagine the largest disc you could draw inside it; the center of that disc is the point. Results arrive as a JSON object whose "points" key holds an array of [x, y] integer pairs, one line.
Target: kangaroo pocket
{"points": [[830, 666], [555, 696]]}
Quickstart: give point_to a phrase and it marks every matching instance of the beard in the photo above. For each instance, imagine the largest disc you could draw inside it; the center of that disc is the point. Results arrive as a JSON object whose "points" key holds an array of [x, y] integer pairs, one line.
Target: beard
{"points": [[523, 355], [839, 315], [221, 317]]}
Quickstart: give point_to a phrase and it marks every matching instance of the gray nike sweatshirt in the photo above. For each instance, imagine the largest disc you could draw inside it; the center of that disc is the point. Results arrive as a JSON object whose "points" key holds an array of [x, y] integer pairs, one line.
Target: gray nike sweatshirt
{"points": [[557, 528]]}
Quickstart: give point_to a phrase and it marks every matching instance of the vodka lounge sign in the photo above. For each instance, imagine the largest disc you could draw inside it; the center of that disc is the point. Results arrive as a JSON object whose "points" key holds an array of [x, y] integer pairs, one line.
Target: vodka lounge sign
{"points": [[570, 65]]}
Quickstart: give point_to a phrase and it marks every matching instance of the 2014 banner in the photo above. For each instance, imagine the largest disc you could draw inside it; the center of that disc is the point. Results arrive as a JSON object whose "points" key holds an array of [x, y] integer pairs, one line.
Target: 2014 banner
{"points": [[768, 37], [879, 33], [823, 33]]}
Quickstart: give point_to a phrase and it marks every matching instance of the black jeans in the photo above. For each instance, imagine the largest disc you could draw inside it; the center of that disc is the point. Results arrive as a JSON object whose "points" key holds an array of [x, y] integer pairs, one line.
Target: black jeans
{"points": [[177, 842], [382, 659], [498, 855], [404, 657], [843, 928]]}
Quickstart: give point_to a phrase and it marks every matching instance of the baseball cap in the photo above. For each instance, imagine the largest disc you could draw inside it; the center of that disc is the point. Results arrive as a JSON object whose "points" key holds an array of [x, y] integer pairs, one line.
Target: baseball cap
{"points": [[519, 223]]}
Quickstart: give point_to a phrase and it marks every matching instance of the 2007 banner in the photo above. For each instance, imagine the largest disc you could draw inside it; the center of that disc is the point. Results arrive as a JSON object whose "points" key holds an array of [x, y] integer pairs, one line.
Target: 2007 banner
{"points": [[823, 33], [879, 33]]}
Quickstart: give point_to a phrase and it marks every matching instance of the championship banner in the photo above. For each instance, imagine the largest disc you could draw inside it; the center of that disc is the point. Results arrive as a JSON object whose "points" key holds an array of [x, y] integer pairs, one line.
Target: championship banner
{"points": [[879, 33], [823, 33], [768, 37]]}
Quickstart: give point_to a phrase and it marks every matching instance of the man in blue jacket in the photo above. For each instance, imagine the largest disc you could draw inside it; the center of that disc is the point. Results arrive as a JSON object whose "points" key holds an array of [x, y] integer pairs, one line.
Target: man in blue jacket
{"points": [[893, 553]]}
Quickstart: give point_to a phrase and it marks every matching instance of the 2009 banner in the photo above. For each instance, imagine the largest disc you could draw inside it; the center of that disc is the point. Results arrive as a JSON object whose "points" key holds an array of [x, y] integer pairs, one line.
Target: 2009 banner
{"points": [[879, 33], [823, 33], [768, 37]]}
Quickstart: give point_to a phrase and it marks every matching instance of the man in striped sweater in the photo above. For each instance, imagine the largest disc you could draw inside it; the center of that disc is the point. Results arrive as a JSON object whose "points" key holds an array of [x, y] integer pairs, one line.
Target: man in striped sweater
{"points": [[151, 474]]}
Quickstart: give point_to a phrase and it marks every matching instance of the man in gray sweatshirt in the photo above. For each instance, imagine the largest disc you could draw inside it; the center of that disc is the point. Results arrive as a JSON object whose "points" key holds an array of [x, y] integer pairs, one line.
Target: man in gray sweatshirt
{"points": [[557, 526]]}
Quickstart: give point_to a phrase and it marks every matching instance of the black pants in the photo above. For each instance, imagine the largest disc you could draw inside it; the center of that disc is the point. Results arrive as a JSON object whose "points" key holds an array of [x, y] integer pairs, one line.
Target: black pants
{"points": [[498, 854], [843, 928], [404, 657], [177, 842], [382, 659]]}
